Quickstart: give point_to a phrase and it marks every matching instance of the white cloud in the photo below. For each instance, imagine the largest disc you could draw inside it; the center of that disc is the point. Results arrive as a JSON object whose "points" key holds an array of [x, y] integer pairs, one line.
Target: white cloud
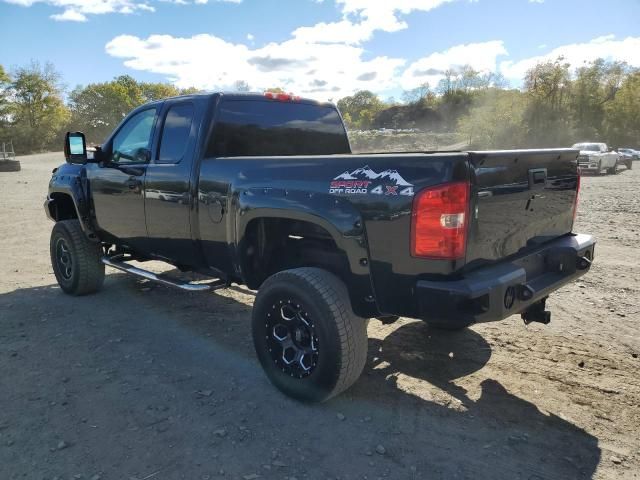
{"points": [[431, 69], [361, 18], [77, 10], [327, 60], [578, 54], [323, 61], [69, 15], [209, 62]]}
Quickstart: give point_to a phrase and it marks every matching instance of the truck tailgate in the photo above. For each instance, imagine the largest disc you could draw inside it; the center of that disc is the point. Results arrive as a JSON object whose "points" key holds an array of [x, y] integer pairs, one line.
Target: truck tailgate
{"points": [[522, 198]]}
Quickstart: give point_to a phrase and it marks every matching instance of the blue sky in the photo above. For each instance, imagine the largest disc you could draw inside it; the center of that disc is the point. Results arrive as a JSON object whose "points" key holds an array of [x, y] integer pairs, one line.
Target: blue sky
{"points": [[324, 49]]}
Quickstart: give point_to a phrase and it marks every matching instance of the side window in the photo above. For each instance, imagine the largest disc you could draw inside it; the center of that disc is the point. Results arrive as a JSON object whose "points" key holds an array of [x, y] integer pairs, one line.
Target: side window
{"points": [[132, 144], [175, 133]]}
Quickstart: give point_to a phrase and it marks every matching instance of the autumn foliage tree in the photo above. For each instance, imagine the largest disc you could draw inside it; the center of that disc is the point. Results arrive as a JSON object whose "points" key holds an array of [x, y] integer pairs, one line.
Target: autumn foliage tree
{"points": [[34, 112], [99, 107]]}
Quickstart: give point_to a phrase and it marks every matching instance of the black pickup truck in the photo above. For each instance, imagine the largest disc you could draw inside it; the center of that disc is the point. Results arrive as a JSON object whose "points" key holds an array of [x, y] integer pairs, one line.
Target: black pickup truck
{"points": [[262, 190]]}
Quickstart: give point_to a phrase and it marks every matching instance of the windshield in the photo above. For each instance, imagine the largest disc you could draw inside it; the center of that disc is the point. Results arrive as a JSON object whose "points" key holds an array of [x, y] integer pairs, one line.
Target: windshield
{"points": [[590, 147]]}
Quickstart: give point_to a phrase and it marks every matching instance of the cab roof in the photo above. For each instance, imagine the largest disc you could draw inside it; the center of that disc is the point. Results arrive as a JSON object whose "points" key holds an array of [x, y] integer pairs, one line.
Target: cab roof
{"points": [[285, 97]]}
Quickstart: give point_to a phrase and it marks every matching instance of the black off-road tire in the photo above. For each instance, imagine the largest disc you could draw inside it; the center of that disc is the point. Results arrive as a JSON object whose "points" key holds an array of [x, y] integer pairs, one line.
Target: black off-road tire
{"points": [[82, 271], [9, 165], [322, 299]]}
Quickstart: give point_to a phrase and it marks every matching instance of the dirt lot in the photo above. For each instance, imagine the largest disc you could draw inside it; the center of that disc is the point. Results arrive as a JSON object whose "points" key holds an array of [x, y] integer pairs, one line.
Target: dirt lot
{"points": [[142, 382]]}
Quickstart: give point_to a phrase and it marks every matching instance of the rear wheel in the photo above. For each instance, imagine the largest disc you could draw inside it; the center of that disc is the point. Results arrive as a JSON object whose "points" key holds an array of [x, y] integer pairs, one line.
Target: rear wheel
{"points": [[75, 259], [307, 338]]}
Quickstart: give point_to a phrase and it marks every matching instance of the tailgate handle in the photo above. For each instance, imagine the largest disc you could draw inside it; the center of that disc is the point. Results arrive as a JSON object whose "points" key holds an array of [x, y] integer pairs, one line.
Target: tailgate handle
{"points": [[537, 178]]}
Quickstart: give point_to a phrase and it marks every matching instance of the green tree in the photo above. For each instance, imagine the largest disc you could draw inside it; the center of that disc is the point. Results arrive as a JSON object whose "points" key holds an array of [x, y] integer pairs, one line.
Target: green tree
{"points": [[457, 91], [157, 91], [4, 103], [361, 108], [594, 87], [99, 107], [547, 116], [241, 86], [4, 78], [189, 91], [416, 94], [496, 120], [622, 114], [36, 112]]}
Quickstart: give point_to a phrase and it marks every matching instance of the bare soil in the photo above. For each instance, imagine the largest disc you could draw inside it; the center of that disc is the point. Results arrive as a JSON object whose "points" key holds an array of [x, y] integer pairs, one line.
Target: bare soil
{"points": [[143, 382]]}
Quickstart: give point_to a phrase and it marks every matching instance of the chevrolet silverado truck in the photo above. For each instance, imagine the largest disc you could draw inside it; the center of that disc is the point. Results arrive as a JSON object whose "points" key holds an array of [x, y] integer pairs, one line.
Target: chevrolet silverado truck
{"points": [[263, 191], [597, 158]]}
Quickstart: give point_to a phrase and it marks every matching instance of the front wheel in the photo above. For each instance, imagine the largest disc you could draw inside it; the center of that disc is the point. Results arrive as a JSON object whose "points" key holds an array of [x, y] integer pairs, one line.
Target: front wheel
{"points": [[307, 338], [75, 259]]}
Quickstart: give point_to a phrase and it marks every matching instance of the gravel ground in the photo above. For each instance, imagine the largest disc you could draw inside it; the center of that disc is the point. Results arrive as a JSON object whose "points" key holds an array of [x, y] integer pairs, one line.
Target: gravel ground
{"points": [[143, 382]]}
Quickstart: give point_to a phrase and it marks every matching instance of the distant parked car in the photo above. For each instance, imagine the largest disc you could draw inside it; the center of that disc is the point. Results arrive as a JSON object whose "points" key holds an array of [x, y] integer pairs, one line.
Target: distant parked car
{"points": [[596, 158], [629, 155]]}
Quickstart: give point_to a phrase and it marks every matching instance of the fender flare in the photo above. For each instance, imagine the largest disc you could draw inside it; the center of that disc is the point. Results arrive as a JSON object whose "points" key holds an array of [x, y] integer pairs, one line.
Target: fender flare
{"points": [[74, 185], [334, 214]]}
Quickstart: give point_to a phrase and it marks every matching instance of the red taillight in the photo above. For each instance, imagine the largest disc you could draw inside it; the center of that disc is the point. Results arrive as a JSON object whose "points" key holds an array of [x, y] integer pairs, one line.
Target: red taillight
{"points": [[282, 97], [439, 221], [575, 202]]}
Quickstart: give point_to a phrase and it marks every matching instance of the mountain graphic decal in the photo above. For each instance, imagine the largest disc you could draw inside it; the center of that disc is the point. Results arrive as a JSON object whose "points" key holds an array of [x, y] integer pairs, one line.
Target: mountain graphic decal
{"points": [[366, 173]]}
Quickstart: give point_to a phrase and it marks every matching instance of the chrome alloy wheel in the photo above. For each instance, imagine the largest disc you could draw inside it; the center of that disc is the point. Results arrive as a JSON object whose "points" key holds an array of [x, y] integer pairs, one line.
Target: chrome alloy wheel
{"points": [[291, 339]]}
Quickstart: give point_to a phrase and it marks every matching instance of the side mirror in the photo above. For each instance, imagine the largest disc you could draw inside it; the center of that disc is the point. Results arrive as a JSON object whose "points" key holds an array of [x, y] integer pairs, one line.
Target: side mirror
{"points": [[75, 147]]}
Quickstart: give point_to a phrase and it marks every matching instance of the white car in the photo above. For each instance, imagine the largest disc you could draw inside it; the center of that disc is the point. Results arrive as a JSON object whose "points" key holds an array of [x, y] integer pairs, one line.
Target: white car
{"points": [[596, 158]]}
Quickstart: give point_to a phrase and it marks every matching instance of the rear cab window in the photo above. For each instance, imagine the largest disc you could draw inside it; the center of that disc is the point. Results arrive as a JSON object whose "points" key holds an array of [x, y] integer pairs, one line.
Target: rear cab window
{"points": [[176, 131], [271, 128]]}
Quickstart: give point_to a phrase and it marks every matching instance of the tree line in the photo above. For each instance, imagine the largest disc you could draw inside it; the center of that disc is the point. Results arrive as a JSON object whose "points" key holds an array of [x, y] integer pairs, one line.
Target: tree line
{"points": [[599, 101], [34, 114]]}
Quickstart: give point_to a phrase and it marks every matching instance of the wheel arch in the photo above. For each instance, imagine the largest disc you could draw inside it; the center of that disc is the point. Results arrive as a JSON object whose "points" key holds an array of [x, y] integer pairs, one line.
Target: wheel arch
{"points": [[69, 198], [60, 206], [276, 234]]}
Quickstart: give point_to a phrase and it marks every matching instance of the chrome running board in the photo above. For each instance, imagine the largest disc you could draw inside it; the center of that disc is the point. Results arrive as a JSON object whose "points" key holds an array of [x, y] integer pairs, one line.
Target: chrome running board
{"points": [[116, 262]]}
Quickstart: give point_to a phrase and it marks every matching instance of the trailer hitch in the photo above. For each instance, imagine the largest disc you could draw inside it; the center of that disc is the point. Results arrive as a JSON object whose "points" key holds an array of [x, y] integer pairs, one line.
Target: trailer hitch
{"points": [[537, 313], [583, 263]]}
